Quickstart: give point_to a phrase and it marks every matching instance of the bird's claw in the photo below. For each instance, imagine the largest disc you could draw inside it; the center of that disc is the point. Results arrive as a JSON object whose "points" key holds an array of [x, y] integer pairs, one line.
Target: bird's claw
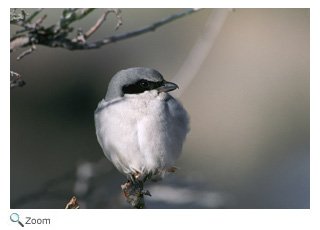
{"points": [[146, 192], [138, 177]]}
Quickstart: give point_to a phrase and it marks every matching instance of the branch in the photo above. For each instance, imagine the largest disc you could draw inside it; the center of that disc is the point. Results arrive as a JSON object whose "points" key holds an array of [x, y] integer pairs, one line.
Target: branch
{"points": [[133, 189], [16, 81], [71, 15], [56, 35], [29, 51], [134, 193], [16, 18], [93, 187], [29, 19], [102, 19], [73, 204], [152, 27]]}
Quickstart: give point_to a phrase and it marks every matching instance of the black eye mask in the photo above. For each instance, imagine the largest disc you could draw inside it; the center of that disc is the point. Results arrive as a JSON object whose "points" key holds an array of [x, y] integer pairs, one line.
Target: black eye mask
{"points": [[141, 86]]}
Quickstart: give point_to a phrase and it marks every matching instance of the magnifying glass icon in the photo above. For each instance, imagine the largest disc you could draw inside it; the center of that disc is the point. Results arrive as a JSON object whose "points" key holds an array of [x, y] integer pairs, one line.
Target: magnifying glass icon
{"points": [[14, 217]]}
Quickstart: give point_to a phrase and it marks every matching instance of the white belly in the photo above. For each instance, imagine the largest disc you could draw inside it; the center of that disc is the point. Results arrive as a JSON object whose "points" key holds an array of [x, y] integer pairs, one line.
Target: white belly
{"points": [[142, 133]]}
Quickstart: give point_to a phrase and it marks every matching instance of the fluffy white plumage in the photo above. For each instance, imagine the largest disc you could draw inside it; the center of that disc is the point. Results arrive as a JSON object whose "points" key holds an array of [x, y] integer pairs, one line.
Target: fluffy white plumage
{"points": [[141, 132]]}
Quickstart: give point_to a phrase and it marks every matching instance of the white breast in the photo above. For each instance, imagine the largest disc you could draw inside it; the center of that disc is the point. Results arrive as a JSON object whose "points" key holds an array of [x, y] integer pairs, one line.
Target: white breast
{"points": [[142, 133]]}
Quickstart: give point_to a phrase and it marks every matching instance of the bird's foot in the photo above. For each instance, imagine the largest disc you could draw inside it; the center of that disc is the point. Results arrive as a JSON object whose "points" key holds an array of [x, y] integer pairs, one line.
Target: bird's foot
{"points": [[133, 190], [146, 192], [139, 177], [131, 179]]}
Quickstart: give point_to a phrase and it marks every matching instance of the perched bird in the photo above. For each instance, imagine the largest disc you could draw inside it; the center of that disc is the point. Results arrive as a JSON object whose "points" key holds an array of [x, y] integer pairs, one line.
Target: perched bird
{"points": [[139, 126]]}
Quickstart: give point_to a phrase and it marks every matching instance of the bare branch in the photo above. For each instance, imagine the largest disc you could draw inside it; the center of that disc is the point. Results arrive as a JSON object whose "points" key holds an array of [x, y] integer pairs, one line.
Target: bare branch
{"points": [[40, 20], [29, 51], [97, 25], [16, 81], [134, 193], [71, 15], [29, 19], [117, 12], [80, 38], [16, 18], [142, 30], [33, 33], [102, 19], [56, 36], [73, 204]]}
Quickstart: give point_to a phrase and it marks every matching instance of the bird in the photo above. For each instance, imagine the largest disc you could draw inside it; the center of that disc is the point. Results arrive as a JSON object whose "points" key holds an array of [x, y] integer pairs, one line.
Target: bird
{"points": [[140, 127]]}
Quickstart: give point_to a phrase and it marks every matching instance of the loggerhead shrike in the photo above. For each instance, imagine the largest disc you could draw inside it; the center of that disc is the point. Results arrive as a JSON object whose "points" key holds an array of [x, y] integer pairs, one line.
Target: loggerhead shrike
{"points": [[139, 126]]}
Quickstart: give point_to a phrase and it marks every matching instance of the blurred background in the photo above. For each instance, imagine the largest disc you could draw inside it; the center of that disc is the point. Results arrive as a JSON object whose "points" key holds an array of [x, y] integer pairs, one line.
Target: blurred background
{"points": [[248, 101]]}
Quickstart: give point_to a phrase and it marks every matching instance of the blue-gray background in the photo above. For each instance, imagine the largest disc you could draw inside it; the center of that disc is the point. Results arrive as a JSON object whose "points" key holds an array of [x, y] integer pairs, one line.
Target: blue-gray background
{"points": [[249, 145]]}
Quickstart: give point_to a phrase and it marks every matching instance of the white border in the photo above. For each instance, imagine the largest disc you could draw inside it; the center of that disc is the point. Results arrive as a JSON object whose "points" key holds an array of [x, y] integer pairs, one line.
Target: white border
{"points": [[167, 219]]}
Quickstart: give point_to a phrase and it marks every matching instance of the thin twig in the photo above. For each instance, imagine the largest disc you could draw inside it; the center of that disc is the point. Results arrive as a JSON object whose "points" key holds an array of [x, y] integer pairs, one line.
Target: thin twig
{"points": [[17, 18], [40, 20], [97, 25], [33, 15], [119, 23], [71, 15], [16, 81], [142, 30], [73, 204], [14, 74], [101, 20], [29, 51]]}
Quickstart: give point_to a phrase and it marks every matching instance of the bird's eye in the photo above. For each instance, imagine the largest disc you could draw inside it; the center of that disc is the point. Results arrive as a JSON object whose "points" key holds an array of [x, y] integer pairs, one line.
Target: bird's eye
{"points": [[144, 84]]}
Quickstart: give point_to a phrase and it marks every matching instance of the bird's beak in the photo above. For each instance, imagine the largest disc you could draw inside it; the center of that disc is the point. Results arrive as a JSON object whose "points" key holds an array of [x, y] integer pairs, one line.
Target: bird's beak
{"points": [[167, 86]]}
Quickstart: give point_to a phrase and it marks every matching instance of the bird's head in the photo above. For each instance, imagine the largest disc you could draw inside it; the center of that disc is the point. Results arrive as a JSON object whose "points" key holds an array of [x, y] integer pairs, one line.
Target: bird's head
{"points": [[137, 80]]}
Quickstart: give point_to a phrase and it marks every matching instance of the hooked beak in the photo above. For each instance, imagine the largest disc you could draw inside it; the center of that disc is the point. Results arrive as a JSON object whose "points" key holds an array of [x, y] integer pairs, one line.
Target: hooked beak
{"points": [[167, 86]]}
